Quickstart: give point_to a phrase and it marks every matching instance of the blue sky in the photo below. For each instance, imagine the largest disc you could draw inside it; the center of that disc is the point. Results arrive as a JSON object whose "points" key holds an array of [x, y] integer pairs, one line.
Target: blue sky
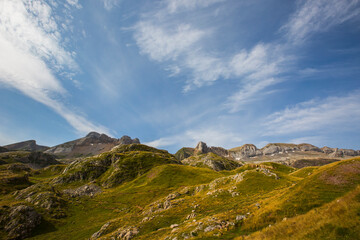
{"points": [[174, 72]]}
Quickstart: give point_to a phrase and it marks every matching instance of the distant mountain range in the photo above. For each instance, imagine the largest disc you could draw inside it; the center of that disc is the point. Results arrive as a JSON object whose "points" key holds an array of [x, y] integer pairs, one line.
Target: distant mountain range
{"points": [[249, 152], [95, 143]]}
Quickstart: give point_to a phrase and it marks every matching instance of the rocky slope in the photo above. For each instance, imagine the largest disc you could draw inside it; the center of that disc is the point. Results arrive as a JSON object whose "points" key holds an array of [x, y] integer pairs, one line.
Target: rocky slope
{"points": [[138, 192], [212, 161], [92, 144], [29, 145], [34, 160], [275, 152]]}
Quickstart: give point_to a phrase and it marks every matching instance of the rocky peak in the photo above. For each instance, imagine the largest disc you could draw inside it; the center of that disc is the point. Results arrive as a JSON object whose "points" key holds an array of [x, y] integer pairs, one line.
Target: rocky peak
{"points": [[127, 140], [93, 135], [92, 144], [201, 148]]}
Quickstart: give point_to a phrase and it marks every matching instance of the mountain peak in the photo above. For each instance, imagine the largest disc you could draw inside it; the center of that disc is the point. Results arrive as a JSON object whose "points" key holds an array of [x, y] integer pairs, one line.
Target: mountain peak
{"points": [[93, 135]]}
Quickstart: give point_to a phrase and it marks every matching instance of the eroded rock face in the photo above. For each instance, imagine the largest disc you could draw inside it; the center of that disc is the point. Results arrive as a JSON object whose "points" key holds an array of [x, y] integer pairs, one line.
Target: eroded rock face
{"points": [[219, 151], [20, 221], [201, 148], [308, 147], [245, 151], [274, 148]]}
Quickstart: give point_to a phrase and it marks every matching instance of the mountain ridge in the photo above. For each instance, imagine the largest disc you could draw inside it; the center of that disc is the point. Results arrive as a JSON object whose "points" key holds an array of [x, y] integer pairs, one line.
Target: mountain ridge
{"points": [[249, 151]]}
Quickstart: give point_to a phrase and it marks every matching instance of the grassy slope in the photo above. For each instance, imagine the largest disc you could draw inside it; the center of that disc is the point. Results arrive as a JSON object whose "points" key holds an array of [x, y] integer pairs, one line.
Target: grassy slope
{"points": [[295, 195], [87, 215]]}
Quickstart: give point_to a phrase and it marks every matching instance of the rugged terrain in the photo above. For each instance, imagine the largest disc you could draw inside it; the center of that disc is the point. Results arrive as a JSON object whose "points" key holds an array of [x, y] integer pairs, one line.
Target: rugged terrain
{"points": [[29, 145], [92, 144], [134, 191]]}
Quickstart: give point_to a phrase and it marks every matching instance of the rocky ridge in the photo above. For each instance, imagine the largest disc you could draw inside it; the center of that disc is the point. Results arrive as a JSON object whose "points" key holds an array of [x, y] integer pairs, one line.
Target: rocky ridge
{"points": [[250, 151], [92, 144], [29, 145]]}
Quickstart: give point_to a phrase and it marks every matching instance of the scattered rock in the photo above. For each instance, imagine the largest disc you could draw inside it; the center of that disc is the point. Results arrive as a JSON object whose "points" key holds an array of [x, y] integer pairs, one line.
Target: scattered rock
{"points": [[126, 233], [86, 190], [174, 225], [190, 216], [101, 232], [240, 218], [20, 221]]}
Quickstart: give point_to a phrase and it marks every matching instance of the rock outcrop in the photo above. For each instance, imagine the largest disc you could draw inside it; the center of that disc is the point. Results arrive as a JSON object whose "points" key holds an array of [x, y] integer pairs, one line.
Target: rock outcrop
{"points": [[212, 161], [19, 221], [29, 145], [202, 148], [247, 150], [92, 144]]}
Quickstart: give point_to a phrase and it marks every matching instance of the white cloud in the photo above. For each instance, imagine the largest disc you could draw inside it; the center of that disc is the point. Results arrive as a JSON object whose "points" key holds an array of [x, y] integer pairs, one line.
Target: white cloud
{"points": [[31, 27], [167, 38], [319, 16], [165, 44], [176, 5], [29, 43], [74, 3], [213, 137], [109, 4], [317, 114]]}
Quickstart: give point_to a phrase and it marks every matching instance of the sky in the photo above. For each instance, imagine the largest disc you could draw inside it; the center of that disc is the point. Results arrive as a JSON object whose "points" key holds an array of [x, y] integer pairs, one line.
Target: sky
{"points": [[175, 72]]}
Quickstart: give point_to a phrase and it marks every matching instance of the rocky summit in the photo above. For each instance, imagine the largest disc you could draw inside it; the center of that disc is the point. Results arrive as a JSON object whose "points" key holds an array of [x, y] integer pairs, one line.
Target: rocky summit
{"points": [[108, 188], [92, 144]]}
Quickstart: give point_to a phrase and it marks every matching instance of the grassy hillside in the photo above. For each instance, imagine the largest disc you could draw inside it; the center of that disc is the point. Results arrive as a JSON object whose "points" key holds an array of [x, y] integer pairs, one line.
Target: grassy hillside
{"points": [[139, 192]]}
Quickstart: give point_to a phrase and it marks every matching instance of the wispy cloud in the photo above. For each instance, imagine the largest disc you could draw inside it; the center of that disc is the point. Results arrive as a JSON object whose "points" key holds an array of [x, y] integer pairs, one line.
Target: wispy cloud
{"points": [[109, 4], [165, 36], [213, 137], [317, 114], [183, 47], [166, 44], [74, 3], [319, 16], [31, 51], [177, 5]]}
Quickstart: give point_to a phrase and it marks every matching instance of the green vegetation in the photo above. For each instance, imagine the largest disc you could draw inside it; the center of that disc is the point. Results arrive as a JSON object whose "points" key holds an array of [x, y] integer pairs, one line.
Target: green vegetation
{"points": [[147, 193], [212, 161], [184, 152]]}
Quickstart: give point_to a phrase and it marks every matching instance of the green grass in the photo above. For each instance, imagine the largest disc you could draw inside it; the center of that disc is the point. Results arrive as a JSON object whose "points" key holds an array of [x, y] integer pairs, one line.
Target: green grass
{"points": [[143, 177]]}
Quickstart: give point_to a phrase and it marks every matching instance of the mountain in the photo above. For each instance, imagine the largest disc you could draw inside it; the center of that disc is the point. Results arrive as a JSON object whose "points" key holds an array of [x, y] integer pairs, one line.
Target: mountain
{"points": [[92, 144], [29, 145], [271, 152], [135, 191]]}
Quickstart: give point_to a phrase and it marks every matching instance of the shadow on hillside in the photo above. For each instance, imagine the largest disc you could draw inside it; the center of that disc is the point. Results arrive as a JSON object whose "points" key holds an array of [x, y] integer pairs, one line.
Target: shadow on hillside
{"points": [[44, 227]]}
